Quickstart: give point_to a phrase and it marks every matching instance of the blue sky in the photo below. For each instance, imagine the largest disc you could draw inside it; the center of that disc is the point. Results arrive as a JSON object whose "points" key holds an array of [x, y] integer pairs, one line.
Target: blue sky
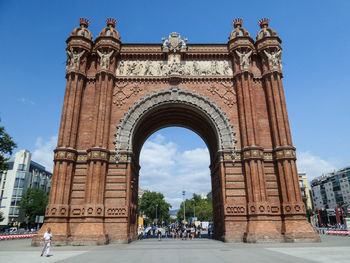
{"points": [[316, 64]]}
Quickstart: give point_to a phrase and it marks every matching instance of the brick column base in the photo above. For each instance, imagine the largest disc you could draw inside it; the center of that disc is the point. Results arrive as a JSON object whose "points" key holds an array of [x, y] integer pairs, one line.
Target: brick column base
{"points": [[262, 231], [299, 230]]}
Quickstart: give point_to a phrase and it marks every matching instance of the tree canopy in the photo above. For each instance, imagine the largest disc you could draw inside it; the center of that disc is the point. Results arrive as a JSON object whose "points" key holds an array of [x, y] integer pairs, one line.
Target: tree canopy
{"points": [[6, 147], [202, 207], [33, 203], [152, 203], [2, 218]]}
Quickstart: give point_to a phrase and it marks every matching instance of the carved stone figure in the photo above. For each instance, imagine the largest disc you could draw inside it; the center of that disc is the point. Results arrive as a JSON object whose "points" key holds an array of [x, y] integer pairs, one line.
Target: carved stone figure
{"points": [[206, 69], [73, 58], [227, 68], [164, 69], [220, 68], [138, 69], [121, 68], [150, 69], [175, 67], [196, 68], [104, 59], [131, 68], [274, 59], [165, 42], [244, 59]]}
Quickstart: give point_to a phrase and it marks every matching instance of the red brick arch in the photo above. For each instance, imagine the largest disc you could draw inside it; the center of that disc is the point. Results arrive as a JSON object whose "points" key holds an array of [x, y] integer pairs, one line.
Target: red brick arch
{"points": [[231, 94]]}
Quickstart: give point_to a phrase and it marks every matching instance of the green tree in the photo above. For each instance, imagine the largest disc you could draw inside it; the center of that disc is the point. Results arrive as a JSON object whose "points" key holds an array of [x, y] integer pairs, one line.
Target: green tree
{"points": [[6, 147], [153, 203], [2, 218], [203, 208], [309, 214], [33, 203]]}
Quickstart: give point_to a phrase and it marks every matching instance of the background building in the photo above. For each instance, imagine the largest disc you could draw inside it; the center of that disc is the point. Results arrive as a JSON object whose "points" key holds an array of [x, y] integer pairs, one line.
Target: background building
{"points": [[305, 191], [331, 190], [141, 192], [22, 174]]}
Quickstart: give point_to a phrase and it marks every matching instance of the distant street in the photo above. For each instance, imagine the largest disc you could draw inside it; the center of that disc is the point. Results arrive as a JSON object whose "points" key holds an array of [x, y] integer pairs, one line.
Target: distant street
{"points": [[332, 249]]}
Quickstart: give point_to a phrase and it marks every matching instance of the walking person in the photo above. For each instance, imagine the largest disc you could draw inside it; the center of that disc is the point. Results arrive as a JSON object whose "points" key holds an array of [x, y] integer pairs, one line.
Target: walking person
{"points": [[159, 234], [47, 243], [193, 232], [166, 232]]}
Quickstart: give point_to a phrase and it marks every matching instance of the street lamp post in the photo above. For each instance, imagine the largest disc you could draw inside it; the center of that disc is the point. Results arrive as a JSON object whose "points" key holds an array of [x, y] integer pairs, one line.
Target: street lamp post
{"points": [[183, 193], [157, 212], [194, 208]]}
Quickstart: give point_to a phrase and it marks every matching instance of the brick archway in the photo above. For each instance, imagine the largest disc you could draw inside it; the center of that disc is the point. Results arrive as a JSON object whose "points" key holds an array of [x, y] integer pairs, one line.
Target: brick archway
{"points": [[177, 107], [208, 88], [225, 137]]}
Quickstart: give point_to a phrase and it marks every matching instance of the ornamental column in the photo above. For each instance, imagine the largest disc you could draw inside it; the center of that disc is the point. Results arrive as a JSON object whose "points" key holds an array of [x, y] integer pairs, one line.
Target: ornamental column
{"points": [[260, 227], [294, 225], [106, 49], [79, 45]]}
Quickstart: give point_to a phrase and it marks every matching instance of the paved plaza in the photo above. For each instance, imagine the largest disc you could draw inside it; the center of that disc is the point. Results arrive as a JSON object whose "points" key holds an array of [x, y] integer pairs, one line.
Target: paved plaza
{"points": [[332, 249]]}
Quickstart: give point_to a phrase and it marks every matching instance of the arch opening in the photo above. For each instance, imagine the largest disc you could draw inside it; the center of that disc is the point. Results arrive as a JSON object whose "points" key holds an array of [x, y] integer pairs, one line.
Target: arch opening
{"points": [[174, 160]]}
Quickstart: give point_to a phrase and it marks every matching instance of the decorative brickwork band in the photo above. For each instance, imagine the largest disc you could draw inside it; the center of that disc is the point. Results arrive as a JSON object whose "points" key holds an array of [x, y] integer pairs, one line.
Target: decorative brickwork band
{"points": [[253, 153], [57, 210], [297, 208], [88, 210], [263, 208], [96, 154], [235, 209], [120, 211], [285, 153], [62, 154]]}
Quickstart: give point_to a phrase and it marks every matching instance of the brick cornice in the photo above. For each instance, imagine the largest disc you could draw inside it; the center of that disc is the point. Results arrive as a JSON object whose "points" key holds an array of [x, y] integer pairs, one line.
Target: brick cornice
{"points": [[270, 73]]}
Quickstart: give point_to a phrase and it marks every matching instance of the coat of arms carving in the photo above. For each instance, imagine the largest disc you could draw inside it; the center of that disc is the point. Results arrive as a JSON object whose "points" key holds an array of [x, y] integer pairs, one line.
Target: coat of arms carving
{"points": [[174, 43]]}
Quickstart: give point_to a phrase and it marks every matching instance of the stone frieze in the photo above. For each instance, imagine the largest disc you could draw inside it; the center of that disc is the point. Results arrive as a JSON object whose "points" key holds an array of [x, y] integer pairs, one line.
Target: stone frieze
{"points": [[174, 67]]}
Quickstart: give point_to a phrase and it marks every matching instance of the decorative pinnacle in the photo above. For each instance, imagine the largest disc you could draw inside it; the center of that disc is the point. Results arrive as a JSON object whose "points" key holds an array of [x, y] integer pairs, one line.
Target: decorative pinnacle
{"points": [[237, 22], [84, 22], [111, 22], [264, 22]]}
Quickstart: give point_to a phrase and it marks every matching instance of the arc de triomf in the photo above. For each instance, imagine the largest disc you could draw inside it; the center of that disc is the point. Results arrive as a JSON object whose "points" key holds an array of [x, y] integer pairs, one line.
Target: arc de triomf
{"points": [[230, 94]]}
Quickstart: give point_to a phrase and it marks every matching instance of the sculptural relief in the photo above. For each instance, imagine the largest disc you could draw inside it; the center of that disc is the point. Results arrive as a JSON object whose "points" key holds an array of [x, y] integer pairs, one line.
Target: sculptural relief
{"points": [[274, 59], [73, 58], [244, 59], [104, 59], [174, 67]]}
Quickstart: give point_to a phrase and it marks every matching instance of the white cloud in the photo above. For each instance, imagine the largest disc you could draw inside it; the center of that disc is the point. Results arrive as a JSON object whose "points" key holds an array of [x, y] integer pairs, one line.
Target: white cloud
{"points": [[26, 101], [313, 165], [43, 152], [167, 170]]}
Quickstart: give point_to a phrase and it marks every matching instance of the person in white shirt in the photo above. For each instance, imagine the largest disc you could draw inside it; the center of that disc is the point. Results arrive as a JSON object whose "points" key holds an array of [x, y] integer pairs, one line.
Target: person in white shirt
{"points": [[47, 243]]}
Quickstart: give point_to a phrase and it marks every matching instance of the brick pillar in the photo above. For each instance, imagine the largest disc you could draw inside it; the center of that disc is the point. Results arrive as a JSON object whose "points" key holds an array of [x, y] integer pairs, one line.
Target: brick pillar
{"points": [[294, 226], [98, 154], [260, 227], [58, 209]]}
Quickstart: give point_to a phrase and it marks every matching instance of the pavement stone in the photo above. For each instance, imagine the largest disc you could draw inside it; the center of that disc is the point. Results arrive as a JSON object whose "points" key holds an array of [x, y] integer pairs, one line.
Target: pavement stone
{"points": [[331, 249]]}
